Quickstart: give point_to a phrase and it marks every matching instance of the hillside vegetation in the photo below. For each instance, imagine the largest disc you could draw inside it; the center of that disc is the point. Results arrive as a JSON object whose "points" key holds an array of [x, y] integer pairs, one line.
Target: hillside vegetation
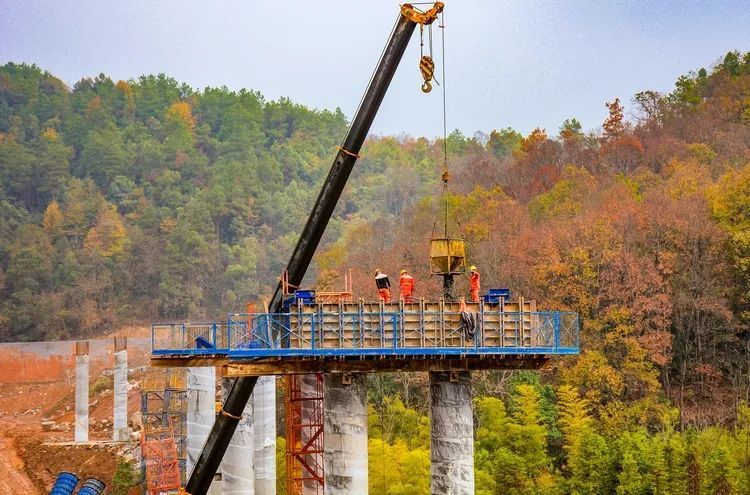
{"points": [[148, 199]]}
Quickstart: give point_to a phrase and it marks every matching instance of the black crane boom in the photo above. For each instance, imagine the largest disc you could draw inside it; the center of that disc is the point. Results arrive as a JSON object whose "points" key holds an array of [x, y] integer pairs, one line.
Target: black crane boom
{"points": [[241, 389]]}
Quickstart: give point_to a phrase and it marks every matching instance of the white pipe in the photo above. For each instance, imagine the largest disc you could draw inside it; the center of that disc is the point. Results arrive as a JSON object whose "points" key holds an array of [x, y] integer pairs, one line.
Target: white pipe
{"points": [[345, 436], [264, 410], [237, 466], [451, 434], [82, 398], [201, 410], [120, 422]]}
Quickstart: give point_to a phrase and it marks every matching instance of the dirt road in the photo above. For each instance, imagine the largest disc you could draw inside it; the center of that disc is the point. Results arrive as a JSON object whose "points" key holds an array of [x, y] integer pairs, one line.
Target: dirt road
{"points": [[13, 478]]}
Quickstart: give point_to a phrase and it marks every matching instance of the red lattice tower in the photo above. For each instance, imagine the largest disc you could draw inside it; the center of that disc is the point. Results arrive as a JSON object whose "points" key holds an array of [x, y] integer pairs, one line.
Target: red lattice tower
{"points": [[304, 434], [161, 466]]}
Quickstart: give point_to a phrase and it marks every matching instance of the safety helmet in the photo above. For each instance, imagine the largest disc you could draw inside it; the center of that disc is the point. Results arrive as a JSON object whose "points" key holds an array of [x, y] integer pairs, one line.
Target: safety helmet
{"points": [[402, 272], [473, 268], [377, 271]]}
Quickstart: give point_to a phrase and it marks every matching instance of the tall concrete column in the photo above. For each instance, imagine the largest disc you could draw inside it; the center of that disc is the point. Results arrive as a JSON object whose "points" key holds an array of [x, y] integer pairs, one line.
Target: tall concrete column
{"points": [[345, 434], [201, 410], [82, 392], [264, 410], [238, 466], [120, 420], [451, 434]]}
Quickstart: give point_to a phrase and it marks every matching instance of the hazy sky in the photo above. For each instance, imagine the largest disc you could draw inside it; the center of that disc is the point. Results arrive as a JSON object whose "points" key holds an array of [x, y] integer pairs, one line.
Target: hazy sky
{"points": [[519, 63]]}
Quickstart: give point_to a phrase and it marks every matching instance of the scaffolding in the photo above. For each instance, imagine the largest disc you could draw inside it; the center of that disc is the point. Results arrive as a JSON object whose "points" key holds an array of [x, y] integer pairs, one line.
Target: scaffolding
{"points": [[304, 408], [160, 463], [304, 429], [164, 406]]}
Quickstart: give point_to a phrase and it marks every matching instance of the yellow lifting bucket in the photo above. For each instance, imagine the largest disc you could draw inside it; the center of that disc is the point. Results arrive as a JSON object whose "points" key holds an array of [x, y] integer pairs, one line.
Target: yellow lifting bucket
{"points": [[447, 256]]}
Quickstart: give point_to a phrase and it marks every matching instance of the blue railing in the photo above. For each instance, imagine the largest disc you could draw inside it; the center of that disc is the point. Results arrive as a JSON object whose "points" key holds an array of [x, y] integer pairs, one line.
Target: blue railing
{"points": [[316, 333]]}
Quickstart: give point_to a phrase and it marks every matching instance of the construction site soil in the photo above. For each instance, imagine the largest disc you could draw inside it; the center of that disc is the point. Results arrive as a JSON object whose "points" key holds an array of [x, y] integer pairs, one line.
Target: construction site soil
{"points": [[37, 414]]}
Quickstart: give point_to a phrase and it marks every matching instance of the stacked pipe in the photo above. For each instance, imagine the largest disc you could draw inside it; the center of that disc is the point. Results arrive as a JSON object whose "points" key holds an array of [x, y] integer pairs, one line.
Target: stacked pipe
{"points": [[64, 484], [92, 486]]}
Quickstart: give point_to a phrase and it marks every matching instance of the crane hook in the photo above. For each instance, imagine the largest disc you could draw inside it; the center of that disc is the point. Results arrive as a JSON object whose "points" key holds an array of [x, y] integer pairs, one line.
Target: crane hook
{"points": [[427, 68]]}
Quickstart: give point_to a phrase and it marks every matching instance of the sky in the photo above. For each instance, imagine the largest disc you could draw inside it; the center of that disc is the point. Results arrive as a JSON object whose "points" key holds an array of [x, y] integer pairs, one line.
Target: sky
{"points": [[517, 63]]}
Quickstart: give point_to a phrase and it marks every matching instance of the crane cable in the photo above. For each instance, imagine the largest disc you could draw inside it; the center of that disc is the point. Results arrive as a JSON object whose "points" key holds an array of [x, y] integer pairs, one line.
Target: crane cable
{"points": [[445, 176]]}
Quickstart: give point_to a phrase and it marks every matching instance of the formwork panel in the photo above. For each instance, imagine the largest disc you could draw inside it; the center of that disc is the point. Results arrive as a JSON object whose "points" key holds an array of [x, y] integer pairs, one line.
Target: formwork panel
{"points": [[353, 330]]}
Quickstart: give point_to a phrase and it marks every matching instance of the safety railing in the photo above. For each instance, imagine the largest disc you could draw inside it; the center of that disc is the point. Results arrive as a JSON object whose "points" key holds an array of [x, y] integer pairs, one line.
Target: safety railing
{"points": [[367, 332], [206, 338]]}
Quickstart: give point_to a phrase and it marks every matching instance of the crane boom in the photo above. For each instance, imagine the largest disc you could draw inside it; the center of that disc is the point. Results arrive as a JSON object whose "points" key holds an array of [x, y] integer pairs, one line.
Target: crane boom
{"points": [[241, 389]]}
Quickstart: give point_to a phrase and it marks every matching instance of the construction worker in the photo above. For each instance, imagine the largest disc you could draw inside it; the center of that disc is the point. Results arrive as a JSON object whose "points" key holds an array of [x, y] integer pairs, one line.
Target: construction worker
{"points": [[474, 285], [383, 285], [406, 283]]}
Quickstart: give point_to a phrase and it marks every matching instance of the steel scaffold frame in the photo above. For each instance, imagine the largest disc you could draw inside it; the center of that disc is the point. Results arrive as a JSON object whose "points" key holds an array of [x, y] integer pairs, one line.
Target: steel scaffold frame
{"points": [[304, 431]]}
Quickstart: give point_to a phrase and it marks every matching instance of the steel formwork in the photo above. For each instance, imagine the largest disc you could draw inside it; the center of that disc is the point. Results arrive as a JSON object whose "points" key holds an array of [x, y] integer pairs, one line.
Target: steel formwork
{"points": [[400, 330]]}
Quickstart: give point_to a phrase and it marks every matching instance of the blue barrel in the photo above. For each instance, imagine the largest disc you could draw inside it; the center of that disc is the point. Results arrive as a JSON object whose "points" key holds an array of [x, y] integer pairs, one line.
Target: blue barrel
{"points": [[92, 486], [64, 484]]}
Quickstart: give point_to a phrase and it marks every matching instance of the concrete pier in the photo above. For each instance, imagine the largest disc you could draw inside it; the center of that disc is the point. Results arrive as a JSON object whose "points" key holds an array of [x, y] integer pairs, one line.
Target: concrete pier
{"points": [[238, 466], [264, 410], [345, 434], [120, 397], [451, 434], [201, 410], [82, 392]]}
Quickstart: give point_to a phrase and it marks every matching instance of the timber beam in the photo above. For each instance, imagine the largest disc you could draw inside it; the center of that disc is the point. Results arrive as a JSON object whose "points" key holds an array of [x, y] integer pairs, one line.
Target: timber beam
{"points": [[359, 364]]}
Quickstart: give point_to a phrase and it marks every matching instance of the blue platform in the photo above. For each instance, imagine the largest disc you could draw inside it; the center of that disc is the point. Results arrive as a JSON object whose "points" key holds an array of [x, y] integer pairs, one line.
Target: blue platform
{"points": [[371, 331]]}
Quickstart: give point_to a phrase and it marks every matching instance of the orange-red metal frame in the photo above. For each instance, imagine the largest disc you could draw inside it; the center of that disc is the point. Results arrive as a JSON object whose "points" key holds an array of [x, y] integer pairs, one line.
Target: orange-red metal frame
{"points": [[304, 436], [162, 467]]}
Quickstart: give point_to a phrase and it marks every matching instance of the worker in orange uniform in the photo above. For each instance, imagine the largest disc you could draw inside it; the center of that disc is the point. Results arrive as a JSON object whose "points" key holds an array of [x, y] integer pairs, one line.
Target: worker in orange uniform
{"points": [[406, 282], [474, 285], [383, 285]]}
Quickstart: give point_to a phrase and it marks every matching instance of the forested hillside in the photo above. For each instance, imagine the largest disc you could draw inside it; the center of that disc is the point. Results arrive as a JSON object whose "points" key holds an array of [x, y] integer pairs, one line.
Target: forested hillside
{"points": [[148, 199]]}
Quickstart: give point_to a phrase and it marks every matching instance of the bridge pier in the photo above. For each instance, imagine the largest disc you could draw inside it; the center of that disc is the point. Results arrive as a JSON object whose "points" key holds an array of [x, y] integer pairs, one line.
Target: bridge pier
{"points": [[264, 409], [345, 434], [201, 410], [451, 434], [82, 392], [120, 396], [237, 467]]}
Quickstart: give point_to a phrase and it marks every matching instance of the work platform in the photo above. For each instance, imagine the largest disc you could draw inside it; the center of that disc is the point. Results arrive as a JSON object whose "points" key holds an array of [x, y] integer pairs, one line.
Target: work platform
{"points": [[364, 336]]}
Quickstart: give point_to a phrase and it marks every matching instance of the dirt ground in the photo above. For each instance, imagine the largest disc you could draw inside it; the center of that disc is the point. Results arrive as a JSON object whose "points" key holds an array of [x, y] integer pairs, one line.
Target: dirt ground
{"points": [[37, 387]]}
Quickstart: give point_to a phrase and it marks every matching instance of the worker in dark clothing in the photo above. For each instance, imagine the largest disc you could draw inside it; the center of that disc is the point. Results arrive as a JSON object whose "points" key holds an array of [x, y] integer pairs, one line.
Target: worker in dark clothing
{"points": [[474, 285], [406, 283], [383, 285]]}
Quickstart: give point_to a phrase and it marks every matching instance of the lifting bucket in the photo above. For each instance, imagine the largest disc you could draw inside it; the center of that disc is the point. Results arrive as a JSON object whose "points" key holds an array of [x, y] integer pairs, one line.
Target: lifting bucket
{"points": [[447, 256]]}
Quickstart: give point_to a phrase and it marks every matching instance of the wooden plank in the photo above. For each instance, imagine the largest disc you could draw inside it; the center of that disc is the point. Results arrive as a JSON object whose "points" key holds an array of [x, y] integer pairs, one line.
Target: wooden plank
{"points": [[181, 362]]}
